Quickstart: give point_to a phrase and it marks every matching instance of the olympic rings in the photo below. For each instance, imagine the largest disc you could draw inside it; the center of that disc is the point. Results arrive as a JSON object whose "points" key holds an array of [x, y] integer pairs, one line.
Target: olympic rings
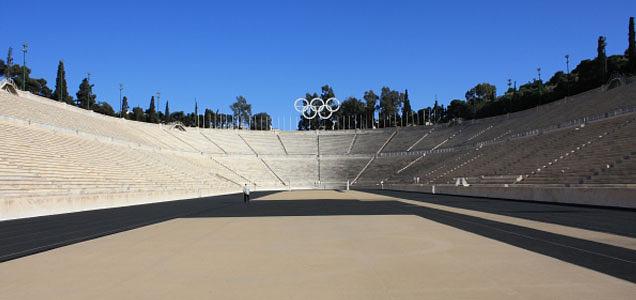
{"points": [[317, 107]]}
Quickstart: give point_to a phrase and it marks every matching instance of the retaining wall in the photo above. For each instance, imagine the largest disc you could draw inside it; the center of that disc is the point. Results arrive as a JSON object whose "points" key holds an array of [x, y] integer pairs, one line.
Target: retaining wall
{"points": [[623, 197]]}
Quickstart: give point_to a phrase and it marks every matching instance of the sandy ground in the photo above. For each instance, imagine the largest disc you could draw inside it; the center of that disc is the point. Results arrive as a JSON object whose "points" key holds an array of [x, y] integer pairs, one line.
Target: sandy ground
{"points": [[305, 257]]}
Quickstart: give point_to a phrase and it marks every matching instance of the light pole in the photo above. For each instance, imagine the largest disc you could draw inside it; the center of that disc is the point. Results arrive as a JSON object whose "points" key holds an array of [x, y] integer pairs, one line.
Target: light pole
{"points": [[25, 48], [121, 113], [90, 90], [540, 87], [511, 93]]}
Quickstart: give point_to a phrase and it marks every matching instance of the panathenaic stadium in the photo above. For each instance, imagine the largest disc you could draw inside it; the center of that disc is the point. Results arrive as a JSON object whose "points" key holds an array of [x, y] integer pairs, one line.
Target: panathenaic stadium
{"points": [[534, 204]]}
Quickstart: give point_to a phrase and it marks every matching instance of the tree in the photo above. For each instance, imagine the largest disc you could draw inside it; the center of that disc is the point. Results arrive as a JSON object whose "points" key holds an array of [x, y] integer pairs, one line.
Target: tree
{"points": [[351, 113], [151, 113], [196, 113], [307, 124], [371, 100], [480, 94], [630, 53], [167, 112], [458, 109], [406, 108], [85, 96], [9, 62], [601, 58], [178, 116], [124, 107], [138, 114], [261, 121], [390, 102], [61, 89], [104, 108], [208, 118], [241, 110]]}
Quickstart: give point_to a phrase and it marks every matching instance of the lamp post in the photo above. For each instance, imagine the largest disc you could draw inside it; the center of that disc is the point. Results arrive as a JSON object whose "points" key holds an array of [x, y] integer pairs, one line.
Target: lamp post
{"points": [[25, 48], [90, 90], [540, 87]]}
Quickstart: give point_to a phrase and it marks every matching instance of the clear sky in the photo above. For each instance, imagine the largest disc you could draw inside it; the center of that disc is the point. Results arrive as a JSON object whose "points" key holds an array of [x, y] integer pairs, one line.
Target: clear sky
{"points": [[272, 52]]}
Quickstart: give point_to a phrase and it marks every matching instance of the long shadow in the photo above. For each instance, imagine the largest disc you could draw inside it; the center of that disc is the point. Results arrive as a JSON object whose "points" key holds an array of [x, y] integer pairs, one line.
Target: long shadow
{"points": [[610, 220], [23, 237]]}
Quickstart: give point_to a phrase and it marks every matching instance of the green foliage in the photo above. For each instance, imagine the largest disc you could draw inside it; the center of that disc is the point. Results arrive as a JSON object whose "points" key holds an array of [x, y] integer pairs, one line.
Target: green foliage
{"points": [[601, 57], [138, 114], [104, 108], [85, 97], [371, 100], [261, 121], [241, 110], [390, 104], [208, 118], [351, 114], [124, 107], [36, 86], [406, 109], [61, 88], [166, 113], [9, 64], [458, 109], [479, 95], [630, 53], [326, 92], [151, 113]]}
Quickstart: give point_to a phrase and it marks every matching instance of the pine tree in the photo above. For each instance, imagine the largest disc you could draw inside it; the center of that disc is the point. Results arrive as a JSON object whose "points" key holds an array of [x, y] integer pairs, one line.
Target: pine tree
{"points": [[85, 96], [61, 90], [152, 112], [124, 107], [631, 46], [167, 113]]}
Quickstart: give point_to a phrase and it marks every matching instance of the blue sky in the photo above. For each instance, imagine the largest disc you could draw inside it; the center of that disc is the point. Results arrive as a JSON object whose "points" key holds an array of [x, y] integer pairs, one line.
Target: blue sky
{"points": [[273, 52]]}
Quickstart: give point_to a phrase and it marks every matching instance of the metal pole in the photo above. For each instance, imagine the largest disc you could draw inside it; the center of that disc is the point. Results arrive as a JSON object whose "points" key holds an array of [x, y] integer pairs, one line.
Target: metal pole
{"points": [[25, 47], [159, 104], [90, 91], [121, 113]]}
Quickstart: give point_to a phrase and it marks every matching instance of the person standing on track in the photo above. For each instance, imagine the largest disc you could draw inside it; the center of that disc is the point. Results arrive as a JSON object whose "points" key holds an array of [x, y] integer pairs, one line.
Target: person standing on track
{"points": [[246, 193]]}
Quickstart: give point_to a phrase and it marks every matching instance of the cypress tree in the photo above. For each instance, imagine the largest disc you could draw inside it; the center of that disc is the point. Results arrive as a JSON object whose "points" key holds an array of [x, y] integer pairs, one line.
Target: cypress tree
{"points": [[85, 97], [167, 113], [61, 90], [631, 46], [196, 113], [601, 58], [152, 112], [7, 72], [406, 108]]}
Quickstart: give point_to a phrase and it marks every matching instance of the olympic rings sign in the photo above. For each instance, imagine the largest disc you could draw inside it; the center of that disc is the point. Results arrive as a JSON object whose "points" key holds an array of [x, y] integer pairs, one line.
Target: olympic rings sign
{"points": [[317, 107]]}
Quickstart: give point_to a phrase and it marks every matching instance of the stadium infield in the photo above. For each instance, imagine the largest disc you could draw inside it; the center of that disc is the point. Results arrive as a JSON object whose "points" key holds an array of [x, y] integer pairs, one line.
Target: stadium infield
{"points": [[323, 244]]}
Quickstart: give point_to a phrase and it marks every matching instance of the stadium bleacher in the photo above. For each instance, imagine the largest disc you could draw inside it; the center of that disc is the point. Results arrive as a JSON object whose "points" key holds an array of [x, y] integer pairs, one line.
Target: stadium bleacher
{"points": [[53, 149]]}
